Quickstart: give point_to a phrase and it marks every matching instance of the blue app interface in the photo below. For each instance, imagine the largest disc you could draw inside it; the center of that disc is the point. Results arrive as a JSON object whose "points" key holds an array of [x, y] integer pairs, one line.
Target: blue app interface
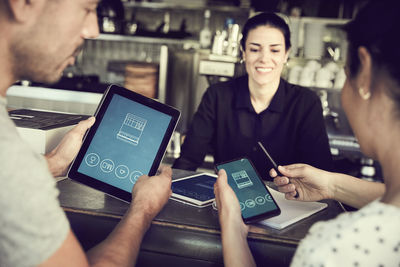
{"points": [[125, 143], [254, 199]]}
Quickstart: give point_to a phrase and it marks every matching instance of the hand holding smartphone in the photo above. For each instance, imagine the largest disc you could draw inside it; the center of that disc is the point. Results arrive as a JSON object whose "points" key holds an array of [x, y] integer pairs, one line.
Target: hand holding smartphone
{"points": [[255, 200]]}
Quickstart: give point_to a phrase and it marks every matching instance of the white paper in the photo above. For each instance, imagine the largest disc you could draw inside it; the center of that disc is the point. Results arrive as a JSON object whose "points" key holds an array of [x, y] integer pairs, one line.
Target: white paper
{"points": [[291, 210]]}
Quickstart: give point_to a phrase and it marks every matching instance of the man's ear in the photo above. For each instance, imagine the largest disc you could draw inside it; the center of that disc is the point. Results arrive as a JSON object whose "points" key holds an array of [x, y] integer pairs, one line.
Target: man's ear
{"points": [[365, 72], [23, 10]]}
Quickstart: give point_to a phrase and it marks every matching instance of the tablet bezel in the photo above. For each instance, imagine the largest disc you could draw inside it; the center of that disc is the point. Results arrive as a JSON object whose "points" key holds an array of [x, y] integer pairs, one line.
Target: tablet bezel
{"points": [[189, 200], [99, 114]]}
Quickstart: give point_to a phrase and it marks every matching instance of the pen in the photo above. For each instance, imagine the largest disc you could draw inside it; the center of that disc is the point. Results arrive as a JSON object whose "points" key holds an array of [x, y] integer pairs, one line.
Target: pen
{"points": [[274, 165]]}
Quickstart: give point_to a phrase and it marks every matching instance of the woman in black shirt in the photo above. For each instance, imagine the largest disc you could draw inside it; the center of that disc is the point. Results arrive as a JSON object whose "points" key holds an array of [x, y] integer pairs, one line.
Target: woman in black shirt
{"points": [[260, 106]]}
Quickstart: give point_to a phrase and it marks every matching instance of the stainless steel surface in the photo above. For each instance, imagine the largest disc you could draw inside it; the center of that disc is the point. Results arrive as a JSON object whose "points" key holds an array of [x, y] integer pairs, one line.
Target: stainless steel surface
{"points": [[163, 73], [185, 86]]}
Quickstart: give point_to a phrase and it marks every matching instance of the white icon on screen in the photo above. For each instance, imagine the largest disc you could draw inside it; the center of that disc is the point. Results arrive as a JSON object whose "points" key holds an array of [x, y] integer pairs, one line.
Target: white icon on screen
{"points": [[131, 129], [122, 171], [242, 206], [260, 200], [92, 159], [250, 203], [134, 176], [268, 198], [242, 179], [107, 165]]}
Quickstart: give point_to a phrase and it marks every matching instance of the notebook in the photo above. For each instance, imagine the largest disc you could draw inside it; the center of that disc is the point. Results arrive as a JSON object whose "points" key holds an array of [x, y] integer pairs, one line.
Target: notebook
{"points": [[291, 211]]}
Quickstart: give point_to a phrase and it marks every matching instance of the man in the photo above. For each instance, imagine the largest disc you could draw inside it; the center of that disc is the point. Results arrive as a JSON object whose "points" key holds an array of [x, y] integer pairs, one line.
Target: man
{"points": [[39, 38]]}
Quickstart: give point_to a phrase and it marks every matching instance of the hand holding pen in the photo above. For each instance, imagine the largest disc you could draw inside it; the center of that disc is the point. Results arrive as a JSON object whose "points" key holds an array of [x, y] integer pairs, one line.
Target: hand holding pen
{"points": [[275, 166]]}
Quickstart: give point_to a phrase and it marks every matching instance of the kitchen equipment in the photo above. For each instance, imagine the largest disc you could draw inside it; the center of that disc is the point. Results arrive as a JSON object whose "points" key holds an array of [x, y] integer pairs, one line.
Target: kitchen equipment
{"points": [[313, 43]]}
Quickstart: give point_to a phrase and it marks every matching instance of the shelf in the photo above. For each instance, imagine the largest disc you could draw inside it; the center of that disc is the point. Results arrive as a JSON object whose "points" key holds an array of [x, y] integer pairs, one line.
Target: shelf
{"points": [[328, 21], [302, 61], [152, 40], [185, 6]]}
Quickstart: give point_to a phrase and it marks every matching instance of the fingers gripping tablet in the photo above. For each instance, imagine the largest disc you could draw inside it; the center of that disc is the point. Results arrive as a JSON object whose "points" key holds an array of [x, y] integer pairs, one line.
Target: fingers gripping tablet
{"points": [[128, 139]]}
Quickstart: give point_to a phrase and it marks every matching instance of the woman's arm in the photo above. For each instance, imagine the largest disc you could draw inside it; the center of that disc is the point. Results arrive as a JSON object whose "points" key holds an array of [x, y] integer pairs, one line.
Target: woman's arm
{"points": [[236, 251], [354, 191], [314, 184]]}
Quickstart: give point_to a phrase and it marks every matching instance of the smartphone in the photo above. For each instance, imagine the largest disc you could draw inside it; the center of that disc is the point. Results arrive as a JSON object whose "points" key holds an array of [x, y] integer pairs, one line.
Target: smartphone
{"points": [[255, 200]]}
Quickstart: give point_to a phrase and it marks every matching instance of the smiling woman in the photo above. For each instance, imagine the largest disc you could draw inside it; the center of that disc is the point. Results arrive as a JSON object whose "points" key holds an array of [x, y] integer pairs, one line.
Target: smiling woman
{"points": [[370, 98], [264, 58], [259, 107]]}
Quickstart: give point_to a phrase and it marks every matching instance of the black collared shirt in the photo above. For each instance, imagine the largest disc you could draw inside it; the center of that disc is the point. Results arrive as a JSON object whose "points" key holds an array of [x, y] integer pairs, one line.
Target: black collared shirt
{"points": [[292, 128]]}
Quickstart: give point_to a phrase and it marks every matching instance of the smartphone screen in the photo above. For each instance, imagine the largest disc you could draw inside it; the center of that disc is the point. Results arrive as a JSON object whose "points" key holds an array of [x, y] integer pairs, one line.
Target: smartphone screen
{"points": [[255, 200]]}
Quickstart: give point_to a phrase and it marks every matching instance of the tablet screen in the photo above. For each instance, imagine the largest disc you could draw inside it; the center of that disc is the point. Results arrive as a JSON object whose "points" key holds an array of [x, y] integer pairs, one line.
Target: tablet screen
{"points": [[128, 140], [198, 189]]}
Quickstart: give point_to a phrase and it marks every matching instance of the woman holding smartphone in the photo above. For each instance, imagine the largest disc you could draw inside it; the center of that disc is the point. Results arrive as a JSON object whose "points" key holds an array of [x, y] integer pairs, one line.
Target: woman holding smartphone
{"points": [[371, 100], [234, 116]]}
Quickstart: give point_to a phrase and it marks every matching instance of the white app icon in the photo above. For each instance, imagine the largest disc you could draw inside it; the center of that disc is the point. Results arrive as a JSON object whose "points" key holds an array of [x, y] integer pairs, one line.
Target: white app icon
{"points": [[92, 159], [242, 179], [131, 129], [122, 171], [250, 203], [107, 165], [260, 200], [135, 175]]}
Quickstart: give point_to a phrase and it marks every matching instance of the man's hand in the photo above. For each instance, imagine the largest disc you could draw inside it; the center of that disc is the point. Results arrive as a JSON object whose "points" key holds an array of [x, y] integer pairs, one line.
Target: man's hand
{"points": [[61, 157], [150, 194]]}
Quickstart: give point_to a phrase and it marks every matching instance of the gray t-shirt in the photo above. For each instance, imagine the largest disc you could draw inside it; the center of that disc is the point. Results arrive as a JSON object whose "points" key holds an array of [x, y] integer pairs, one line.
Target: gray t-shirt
{"points": [[32, 224]]}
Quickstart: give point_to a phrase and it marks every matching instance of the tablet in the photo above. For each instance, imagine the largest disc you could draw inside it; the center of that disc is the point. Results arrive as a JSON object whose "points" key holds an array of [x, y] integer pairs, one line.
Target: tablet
{"points": [[128, 139], [197, 189]]}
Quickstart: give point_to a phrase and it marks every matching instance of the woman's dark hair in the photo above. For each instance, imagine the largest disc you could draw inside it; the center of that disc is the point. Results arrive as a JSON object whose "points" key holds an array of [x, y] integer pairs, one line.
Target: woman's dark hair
{"points": [[266, 19], [376, 27]]}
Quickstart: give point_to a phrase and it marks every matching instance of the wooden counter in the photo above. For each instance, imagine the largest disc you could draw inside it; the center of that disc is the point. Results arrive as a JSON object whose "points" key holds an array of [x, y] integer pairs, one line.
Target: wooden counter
{"points": [[181, 235]]}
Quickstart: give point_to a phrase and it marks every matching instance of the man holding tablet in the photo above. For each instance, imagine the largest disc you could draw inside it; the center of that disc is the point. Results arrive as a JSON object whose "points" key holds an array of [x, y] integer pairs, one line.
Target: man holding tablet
{"points": [[128, 139], [39, 39]]}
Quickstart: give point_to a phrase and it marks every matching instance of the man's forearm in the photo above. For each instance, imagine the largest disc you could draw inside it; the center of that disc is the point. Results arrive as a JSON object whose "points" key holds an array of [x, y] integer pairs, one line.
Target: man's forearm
{"points": [[122, 246], [356, 192]]}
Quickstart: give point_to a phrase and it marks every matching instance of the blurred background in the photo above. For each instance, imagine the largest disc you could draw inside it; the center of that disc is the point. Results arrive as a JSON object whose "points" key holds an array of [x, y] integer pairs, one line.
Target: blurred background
{"points": [[172, 50]]}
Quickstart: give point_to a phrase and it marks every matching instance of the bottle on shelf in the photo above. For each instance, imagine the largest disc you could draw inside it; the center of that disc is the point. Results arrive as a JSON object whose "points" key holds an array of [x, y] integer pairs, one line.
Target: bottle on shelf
{"points": [[205, 33], [111, 16], [233, 40], [167, 20], [164, 27]]}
